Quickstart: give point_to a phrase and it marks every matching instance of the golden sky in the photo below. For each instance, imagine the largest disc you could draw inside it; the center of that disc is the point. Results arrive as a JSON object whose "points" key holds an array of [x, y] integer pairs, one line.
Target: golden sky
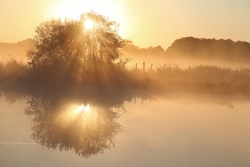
{"points": [[145, 22]]}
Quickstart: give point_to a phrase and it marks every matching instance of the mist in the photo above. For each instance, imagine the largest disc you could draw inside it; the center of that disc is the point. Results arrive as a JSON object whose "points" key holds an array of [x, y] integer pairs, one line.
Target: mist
{"points": [[15, 50], [169, 85], [193, 64], [189, 52]]}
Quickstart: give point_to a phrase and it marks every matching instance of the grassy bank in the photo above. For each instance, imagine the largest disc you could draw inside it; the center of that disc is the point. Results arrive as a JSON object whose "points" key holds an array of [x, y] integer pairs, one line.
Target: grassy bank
{"points": [[114, 77]]}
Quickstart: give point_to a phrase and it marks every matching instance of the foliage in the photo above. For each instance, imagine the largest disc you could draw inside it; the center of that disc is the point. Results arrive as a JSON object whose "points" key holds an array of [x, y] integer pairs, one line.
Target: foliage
{"points": [[70, 43], [12, 70], [67, 54]]}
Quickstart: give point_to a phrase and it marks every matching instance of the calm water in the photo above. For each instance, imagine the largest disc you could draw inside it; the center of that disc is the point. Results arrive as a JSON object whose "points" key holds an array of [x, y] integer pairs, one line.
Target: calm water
{"points": [[162, 132]]}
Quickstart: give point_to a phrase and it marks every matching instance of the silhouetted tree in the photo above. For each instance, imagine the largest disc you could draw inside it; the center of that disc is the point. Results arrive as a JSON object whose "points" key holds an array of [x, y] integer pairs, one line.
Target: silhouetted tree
{"points": [[70, 43], [68, 54]]}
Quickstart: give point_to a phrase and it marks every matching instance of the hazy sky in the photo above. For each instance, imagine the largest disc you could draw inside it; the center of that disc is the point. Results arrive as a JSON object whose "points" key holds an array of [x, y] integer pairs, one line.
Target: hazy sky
{"points": [[145, 22]]}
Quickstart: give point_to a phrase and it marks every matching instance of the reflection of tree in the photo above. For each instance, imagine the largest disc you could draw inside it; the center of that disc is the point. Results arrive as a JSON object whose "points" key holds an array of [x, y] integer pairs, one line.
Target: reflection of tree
{"points": [[56, 126]]}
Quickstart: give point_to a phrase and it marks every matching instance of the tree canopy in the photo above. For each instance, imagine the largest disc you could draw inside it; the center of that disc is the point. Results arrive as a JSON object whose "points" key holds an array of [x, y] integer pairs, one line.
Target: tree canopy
{"points": [[70, 42]]}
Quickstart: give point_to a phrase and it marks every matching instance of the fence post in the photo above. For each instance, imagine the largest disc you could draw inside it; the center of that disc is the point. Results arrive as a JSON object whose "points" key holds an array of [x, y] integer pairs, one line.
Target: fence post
{"points": [[151, 67], [164, 67], [143, 66]]}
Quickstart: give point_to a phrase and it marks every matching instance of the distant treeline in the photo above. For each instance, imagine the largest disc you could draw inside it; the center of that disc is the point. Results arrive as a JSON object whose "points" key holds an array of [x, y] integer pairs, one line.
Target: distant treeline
{"points": [[188, 48], [191, 49], [212, 49]]}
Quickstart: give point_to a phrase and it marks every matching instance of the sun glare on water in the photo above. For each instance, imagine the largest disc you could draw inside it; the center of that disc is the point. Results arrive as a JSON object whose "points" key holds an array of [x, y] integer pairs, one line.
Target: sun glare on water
{"points": [[88, 24]]}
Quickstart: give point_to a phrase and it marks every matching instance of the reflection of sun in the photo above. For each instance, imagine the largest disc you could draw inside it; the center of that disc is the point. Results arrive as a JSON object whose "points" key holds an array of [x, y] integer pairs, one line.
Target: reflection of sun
{"points": [[88, 24]]}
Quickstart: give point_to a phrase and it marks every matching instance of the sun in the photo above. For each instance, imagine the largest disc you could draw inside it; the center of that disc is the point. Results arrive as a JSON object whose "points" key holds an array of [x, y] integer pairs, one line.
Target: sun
{"points": [[88, 24], [84, 108]]}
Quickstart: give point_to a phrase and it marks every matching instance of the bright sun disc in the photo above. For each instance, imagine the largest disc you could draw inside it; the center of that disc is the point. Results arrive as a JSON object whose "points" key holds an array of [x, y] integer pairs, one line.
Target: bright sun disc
{"points": [[88, 24], [84, 108]]}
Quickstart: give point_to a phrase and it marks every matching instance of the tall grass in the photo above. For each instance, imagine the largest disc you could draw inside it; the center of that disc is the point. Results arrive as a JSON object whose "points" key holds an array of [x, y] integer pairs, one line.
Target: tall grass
{"points": [[106, 78], [12, 71]]}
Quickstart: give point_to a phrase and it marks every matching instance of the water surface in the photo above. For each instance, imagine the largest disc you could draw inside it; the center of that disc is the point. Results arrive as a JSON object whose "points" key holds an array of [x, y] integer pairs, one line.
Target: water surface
{"points": [[159, 132]]}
